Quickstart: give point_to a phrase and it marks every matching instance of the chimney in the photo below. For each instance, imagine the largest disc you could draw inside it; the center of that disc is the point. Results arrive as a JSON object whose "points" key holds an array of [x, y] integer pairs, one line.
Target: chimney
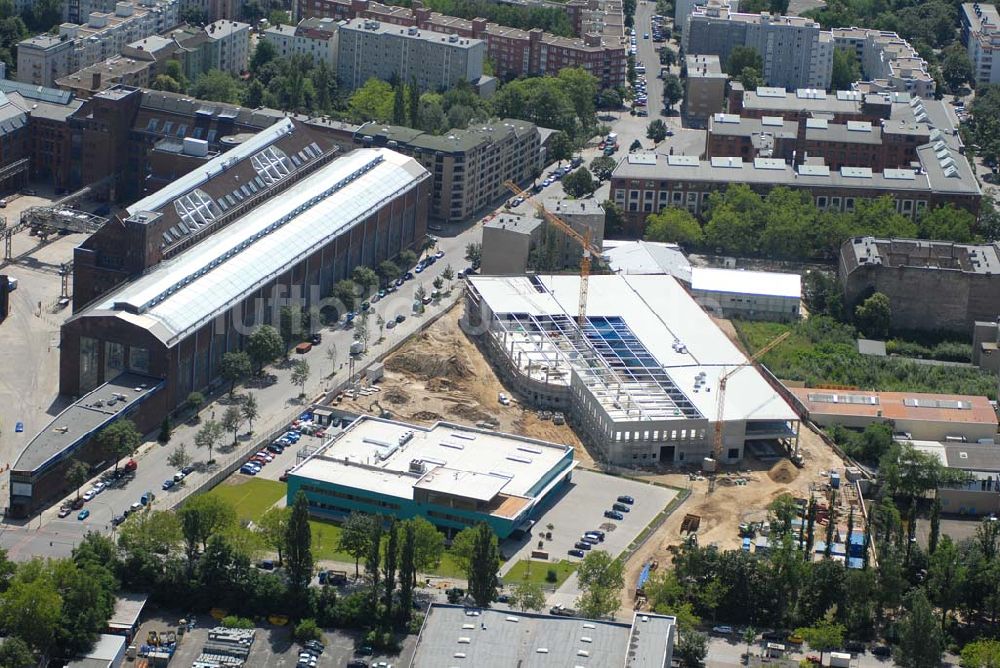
{"points": [[95, 81]]}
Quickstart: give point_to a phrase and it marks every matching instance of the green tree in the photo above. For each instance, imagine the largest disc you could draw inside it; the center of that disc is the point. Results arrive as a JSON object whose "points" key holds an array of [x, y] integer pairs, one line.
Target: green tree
{"points": [[414, 106], [920, 639], [750, 78], [956, 67], [166, 83], [407, 571], [673, 224], [873, 316], [781, 512], [273, 528], [560, 147], [232, 418], [474, 253], [482, 570], [602, 166], [194, 401], [356, 537], [946, 223], [345, 292], [249, 409], [656, 130], [390, 561], [235, 367], [983, 653], [295, 323], [119, 439], [77, 473], [399, 104], [614, 219], [30, 609], [208, 437], [180, 457], [300, 375], [846, 69], [743, 57], [462, 548], [636, 145], [407, 258], [298, 545], [218, 86], [371, 102], [825, 636], [527, 596], [264, 53], [448, 274], [673, 91], [365, 277], [165, 430], [601, 578], [202, 517], [692, 648], [935, 530], [946, 578], [579, 183], [428, 544], [610, 99], [15, 653], [388, 271], [264, 346]]}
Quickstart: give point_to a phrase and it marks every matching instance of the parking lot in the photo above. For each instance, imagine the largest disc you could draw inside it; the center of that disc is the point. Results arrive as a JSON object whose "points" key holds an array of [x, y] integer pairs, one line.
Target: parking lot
{"points": [[272, 646], [581, 508]]}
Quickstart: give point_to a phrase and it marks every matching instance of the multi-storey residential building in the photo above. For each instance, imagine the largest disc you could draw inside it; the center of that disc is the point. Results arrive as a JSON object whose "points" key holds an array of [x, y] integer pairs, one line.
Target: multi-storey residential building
{"points": [[470, 166], [888, 62], [836, 107], [795, 52], [45, 58], [513, 52], [229, 46], [314, 38], [105, 74], [369, 49], [704, 89], [215, 10], [79, 11], [981, 38]]}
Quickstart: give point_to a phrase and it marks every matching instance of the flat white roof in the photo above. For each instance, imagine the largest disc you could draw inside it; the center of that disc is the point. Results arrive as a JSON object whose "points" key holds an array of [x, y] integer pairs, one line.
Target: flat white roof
{"points": [[740, 281], [181, 294], [478, 464], [647, 257], [681, 337]]}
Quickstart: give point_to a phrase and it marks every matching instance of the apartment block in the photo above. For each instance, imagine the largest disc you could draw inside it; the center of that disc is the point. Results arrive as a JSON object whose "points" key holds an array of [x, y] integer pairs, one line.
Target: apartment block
{"points": [[215, 10], [704, 89], [469, 166], [795, 52], [888, 62], [229, 46], [79, 11], [981, 38], [312, 38], [44, 58], [513, 52], [369, 49]]}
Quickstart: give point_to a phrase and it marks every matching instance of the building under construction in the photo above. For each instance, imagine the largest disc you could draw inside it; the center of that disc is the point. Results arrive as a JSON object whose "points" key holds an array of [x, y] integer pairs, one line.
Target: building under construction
{"points": [[639, 378]]}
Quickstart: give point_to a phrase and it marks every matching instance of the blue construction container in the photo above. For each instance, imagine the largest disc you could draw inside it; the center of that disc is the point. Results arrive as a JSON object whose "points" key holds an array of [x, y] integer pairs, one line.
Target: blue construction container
{"points": [[855, 562], [857, 545], [835, 480], [839, 549], [746, 544]]}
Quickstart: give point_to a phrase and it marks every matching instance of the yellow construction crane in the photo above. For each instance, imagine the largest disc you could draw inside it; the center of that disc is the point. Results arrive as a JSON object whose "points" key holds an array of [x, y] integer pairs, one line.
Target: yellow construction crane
{"points": [[724, 378], [589, 249]]}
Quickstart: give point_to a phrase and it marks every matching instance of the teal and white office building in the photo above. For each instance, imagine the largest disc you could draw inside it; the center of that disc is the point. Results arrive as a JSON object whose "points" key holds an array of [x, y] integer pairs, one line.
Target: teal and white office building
{"points": [[452, 475]]}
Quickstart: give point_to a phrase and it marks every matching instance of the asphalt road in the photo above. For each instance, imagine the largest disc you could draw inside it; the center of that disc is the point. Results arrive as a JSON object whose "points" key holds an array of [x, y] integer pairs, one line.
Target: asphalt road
{"points": [[279, 403]]}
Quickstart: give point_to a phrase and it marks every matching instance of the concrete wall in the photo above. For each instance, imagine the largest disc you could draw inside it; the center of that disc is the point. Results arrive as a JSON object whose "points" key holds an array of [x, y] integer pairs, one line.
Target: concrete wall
{"points": [[967, 502], [505, 251]]}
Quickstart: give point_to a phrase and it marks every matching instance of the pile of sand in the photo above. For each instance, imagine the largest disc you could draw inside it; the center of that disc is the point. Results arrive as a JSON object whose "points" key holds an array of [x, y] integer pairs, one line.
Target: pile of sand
{"points": [[426, 366], [783, 473], [425, 416], [470, 412]]}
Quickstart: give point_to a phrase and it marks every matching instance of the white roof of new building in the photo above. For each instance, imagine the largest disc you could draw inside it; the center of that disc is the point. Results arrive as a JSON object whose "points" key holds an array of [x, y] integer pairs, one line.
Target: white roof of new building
{"points": [[181, 294], [647, 257], [739, 281], [376, 454], [679, 335]]}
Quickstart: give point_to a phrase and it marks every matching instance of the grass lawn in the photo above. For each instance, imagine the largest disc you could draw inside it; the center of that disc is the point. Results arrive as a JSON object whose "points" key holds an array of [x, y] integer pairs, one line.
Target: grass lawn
{"points": [[251, 498], [527, 570], [326, 535]]}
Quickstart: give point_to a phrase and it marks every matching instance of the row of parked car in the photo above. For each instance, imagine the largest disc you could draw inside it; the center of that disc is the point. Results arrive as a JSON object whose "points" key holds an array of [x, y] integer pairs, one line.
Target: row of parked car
{"points": [[622, 505]]}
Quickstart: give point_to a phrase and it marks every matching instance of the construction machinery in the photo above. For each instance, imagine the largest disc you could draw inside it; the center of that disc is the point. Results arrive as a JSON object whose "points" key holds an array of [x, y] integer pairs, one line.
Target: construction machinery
{"points": [[590, 251], [753, 361]]}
